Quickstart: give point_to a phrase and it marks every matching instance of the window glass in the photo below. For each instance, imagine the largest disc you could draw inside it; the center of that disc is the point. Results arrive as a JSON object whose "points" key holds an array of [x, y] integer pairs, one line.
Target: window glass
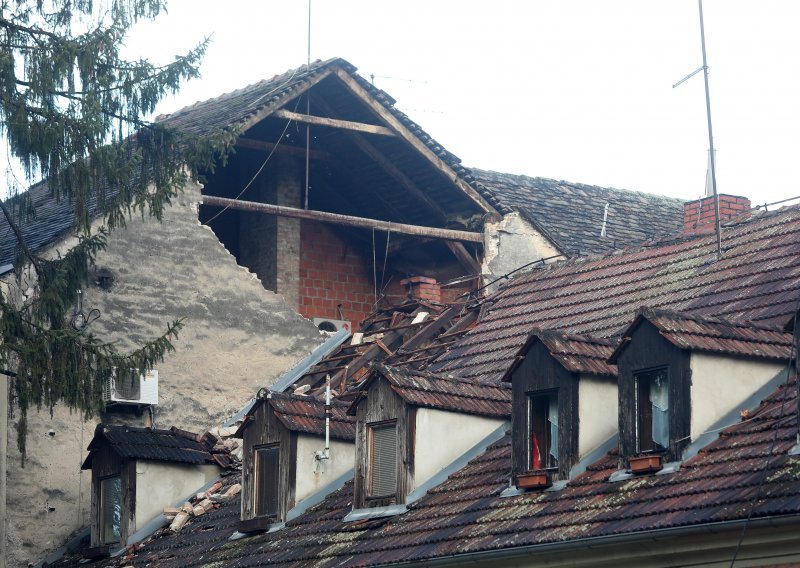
{"points": [[382, 460], [543, 428], [266, 480], [652, 410], [110, 509]]}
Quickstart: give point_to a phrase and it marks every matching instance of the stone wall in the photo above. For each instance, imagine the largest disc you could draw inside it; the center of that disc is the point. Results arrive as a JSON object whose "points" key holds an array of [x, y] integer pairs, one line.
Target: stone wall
{"points": [[237, 337]]}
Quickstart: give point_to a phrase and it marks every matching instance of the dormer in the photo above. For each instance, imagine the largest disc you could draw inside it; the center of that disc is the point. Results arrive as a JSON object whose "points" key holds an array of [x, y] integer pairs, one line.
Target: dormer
{"points": [[565, 405], [284, 460], [679, 375], [136, 472], [410, 426]]}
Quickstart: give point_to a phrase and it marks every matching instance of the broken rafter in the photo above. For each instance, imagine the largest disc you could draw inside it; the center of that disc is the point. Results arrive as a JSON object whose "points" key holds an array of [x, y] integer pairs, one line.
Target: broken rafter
{"points": [[333, 122], [347, 220]]}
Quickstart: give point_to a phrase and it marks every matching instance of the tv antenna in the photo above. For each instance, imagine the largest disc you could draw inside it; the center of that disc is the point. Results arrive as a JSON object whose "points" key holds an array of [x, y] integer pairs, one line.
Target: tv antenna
{"points": [[711, 155]]}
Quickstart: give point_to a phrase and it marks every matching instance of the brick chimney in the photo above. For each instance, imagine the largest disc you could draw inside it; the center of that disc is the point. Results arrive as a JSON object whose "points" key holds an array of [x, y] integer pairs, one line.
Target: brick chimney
{"points": [[698, 215], [423, 288]]}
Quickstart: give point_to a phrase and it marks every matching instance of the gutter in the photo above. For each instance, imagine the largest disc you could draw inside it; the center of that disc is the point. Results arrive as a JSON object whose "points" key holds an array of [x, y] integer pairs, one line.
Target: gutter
{"points": [[653, 535]]}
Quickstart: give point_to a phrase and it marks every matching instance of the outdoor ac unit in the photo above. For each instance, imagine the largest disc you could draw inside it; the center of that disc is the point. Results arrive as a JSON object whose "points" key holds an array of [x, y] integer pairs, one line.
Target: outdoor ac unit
{"points": [[331, 325], [132, 388]]}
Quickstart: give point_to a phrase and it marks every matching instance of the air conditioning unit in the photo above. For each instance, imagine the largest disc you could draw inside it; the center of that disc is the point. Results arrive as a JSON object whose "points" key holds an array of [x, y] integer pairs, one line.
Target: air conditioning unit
{"points": [[132, 388], [332, 326]]}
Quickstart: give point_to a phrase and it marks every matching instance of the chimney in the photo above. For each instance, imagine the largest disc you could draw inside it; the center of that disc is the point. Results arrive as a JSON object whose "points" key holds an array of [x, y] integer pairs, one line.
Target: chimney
{"points": [[423, 288], [698, 215]]}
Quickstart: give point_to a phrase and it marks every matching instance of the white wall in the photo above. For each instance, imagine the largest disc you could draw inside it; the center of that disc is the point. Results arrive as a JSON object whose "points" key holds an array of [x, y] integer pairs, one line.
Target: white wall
{"points": [[721, 384], [309, 481], [160, 485], [598, 412], [444, 436], [510, 243]]}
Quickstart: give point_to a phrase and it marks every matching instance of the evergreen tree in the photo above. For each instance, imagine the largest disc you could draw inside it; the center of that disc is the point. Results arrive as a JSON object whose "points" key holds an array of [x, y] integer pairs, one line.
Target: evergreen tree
{"points": [[72, 112]]}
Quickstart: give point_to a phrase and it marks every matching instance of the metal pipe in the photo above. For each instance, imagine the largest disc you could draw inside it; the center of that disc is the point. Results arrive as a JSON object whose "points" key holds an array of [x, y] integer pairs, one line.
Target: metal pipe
{"points": [[712, 157], [327, 415]]}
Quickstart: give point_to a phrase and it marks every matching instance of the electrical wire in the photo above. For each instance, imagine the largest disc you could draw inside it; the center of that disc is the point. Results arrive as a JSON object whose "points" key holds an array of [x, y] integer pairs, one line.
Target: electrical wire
{"points": [[774, 441]]}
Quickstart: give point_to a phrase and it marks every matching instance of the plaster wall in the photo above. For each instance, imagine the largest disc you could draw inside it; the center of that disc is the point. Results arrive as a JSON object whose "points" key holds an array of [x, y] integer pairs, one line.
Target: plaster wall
{"points": [[511, 243], [721, 383], [160, 485], [442, 437], [598, 412], [237, 337], [308, 479]]}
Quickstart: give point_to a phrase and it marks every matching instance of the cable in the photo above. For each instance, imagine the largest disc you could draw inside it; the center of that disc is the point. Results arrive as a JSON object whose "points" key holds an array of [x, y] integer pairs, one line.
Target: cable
{"points": [[774, 441], [385, 258]]}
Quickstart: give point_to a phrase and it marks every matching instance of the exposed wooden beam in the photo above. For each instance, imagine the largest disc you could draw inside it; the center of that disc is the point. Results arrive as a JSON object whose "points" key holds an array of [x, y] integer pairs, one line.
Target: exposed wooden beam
{"points": [[284, 98], [333, 122], [253, 144], [411, 139], [458, 249], [347, 220]]}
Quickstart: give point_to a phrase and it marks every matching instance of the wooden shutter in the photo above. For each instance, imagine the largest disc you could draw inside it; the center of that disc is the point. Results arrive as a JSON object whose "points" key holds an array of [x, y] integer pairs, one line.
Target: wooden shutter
{"points": [[383, 460], [266, 482]]}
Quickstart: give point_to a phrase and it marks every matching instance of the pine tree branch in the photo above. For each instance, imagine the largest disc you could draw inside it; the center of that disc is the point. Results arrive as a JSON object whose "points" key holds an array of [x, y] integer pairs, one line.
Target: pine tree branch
{"points": [[20, 239]]}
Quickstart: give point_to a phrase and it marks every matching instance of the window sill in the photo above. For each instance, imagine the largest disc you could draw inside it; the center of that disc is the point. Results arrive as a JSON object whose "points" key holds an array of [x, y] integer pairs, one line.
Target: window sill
{"points": [[538, 479], [256, 524], [374, 513]]}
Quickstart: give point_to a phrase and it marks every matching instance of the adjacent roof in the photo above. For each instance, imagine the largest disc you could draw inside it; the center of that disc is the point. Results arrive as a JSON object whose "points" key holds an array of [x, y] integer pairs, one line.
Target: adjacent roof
{"points": [[576, 353], [173, 445], [307, 415], [745, 473], [716, 335], [572, 214], [445, 393], [756, 280]]}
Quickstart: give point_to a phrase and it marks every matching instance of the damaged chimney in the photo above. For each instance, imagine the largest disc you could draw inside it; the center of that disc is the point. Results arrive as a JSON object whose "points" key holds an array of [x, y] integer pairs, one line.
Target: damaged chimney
{"points": [[698, 215], [423, 288]]}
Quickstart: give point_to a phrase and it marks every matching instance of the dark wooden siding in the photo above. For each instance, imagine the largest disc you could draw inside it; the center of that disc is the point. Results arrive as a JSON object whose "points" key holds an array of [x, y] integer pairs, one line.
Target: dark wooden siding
{"points": [[380, 405], [267, 429], [540, 372], [648, 350]]}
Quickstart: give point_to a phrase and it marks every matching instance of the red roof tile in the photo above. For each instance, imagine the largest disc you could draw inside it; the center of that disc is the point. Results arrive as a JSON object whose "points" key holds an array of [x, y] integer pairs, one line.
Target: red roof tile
{"points": [[757, 279], [445, 393]]}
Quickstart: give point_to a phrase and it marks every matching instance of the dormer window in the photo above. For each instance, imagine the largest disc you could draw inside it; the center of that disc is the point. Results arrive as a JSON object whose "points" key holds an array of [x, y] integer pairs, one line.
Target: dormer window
{"points": [[382, 459], [267, 460], [543, 430], [652, 410]]}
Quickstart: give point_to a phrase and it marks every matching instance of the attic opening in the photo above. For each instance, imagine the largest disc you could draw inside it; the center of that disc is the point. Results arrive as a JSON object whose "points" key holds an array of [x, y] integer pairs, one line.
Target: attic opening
{"points": [[335, 270]]}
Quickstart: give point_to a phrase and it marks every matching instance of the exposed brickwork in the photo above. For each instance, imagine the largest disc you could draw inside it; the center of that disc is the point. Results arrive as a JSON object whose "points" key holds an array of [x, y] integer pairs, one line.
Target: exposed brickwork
{"points": [[423, 288], [699, 217], [333, 272]]}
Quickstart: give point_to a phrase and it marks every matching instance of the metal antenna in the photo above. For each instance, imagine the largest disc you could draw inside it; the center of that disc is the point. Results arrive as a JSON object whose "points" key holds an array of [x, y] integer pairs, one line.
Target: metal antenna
{"points": [[712, 157], [308, 106]]}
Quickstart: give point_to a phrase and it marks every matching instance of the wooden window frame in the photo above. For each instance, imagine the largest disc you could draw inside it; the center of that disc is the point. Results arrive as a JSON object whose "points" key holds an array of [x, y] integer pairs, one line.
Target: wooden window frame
{"points": [[101, 502], [275, 484], [544, 429], [643, 409], [371, 427]]}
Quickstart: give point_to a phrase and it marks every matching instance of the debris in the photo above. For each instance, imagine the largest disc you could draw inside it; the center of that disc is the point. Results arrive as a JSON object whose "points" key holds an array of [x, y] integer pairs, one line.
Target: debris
{"points": [[233, 489], [180, 519], [302, 389]]}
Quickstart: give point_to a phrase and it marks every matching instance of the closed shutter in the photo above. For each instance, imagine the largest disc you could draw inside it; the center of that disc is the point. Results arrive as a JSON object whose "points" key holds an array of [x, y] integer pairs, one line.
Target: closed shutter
{"points": [[383, 460], [266, 482]]}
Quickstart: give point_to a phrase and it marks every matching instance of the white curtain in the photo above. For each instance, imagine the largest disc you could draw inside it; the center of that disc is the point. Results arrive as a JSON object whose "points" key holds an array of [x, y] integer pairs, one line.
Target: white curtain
{"points": [[552, 418], [659, 398]]}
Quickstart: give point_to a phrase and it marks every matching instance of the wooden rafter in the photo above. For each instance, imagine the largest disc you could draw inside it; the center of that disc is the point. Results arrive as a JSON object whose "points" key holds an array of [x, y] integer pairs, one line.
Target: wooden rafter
{"points": [[347, 220], [333, 122], [253, 144]]}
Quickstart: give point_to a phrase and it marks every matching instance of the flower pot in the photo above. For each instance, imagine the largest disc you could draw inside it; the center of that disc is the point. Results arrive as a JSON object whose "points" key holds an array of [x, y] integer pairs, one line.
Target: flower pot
{"points": [[645, 464], [533, 480]]}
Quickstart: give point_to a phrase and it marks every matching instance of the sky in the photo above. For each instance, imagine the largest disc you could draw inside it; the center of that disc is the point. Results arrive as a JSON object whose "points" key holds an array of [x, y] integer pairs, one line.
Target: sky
{"points": [[578, 90]]}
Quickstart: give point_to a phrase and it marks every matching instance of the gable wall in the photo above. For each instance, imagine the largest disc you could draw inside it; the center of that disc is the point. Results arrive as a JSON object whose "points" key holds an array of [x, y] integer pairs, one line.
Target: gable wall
{"points": [[237, 337]]}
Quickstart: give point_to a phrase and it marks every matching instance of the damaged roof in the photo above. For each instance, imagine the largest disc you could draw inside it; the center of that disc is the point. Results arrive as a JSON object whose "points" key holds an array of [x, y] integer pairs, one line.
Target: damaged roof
{"points": [[305, 414], [576, 353], [746, 474], [573, 215], [715, 335], [173, 445], [757, 279]]}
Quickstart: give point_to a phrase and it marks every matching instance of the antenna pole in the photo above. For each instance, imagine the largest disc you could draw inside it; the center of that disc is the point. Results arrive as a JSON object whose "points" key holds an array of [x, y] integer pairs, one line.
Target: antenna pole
{"points": [[712, 157], [308, 105]]}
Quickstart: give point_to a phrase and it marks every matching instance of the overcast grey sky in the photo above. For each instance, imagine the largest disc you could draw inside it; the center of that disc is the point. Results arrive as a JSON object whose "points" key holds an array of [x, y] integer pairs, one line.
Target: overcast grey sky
{"points": [[579, 90]]}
